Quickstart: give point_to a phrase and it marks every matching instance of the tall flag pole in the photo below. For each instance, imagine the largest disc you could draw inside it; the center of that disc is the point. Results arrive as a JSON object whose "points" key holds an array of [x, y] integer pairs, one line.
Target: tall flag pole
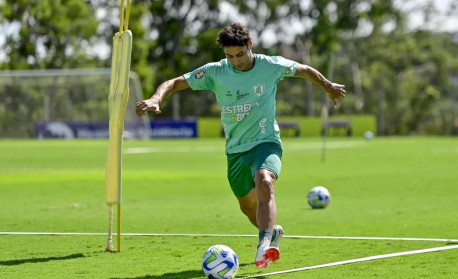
{"points": [[117, 102]]}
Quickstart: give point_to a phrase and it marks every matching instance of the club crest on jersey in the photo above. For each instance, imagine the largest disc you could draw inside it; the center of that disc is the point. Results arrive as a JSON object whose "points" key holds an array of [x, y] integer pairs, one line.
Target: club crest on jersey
{"points": [[258, 89], [199, 75], [287, 71]]}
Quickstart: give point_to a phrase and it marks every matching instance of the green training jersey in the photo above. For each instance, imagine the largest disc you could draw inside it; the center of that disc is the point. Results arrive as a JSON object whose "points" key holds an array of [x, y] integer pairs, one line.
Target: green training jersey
{"points": [[246, 98]]}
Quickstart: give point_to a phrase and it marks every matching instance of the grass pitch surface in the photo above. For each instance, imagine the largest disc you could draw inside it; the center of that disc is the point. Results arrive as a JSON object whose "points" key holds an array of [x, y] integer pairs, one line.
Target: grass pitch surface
{"points": [[389, 187]]}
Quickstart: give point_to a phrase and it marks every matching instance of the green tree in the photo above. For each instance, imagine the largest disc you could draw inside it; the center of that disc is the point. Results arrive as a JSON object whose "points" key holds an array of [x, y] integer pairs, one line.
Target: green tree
{"points": [[407, 79], [52, 33], [408, 83], [174, 37]]}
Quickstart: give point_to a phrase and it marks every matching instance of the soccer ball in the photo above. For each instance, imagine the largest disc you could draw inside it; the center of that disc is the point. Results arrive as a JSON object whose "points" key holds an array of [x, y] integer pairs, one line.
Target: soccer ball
{"points": [[368, 135], [220, 261], [319, 197]]}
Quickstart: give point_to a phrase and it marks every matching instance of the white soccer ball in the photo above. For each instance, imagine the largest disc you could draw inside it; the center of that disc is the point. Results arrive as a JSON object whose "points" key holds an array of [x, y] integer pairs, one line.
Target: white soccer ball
{"points": [[220, 261], [368, 135], [318, 197]]}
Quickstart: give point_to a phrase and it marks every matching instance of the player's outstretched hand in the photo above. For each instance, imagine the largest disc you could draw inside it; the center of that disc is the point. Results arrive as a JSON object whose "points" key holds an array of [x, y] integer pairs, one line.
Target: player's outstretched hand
{"points": [[148, 105], [336, 92]]}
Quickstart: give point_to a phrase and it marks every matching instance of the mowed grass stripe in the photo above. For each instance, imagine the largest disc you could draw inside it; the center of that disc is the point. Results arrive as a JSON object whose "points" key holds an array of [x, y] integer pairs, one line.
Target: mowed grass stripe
{"points": [[387, 187]]}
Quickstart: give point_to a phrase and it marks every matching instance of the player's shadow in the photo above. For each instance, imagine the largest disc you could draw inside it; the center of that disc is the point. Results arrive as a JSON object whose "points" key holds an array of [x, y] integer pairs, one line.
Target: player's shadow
{"points": [[187, 274], [176, 275], [40, 260]]}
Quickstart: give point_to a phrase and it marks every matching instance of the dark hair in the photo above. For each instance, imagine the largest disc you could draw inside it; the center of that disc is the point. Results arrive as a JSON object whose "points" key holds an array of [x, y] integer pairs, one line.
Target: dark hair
{"points": [[234, 34]]}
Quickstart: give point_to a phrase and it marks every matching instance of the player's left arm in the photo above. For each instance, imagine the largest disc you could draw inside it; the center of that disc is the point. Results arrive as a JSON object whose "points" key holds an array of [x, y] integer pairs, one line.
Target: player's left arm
{"points": [[335, 91]]}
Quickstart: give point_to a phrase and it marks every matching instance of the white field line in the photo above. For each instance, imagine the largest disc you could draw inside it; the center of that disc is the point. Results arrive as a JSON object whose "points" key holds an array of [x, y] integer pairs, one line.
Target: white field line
{"points": [[371, 258], [185, 149], [318, 145], [176, 149], [239, 235], [398, 254]]}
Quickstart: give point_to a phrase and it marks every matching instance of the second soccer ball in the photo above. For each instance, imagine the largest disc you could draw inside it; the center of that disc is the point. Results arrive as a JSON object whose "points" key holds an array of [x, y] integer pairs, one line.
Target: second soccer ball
{"points": [[318, 197]]}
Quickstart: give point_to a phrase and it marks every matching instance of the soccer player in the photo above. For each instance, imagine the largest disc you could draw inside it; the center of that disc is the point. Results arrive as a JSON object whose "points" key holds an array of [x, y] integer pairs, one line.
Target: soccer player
{"points": [[245, 85]]}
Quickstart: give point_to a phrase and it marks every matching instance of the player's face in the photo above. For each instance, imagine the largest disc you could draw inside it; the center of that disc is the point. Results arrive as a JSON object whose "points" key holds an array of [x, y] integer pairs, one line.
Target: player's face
{"points": [[240, 57]]}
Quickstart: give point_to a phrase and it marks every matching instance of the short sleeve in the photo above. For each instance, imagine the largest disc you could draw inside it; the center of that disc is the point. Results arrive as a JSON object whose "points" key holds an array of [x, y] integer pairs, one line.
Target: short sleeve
{"points": [[287, 67], [200, 78]]}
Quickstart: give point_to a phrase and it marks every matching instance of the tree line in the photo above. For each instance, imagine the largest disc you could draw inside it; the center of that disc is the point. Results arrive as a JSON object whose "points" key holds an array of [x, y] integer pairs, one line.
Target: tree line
{"points": [[407, 79]]}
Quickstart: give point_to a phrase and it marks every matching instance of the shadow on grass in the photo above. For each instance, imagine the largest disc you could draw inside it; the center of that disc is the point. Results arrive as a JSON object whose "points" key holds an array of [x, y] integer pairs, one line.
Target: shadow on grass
{"points": [[175, 275], [187, 274], [41, 260]]}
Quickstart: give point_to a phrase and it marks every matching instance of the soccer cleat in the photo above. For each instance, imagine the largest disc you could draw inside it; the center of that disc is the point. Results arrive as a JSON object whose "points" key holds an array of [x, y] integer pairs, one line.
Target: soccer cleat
{"points": [[278, 231], [266, 255]]}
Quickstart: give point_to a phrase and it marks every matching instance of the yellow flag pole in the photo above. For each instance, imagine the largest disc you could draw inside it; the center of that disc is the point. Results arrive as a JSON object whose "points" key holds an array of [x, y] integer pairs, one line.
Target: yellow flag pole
{"points": [[121, 17], [117, 102], [126, 23]]}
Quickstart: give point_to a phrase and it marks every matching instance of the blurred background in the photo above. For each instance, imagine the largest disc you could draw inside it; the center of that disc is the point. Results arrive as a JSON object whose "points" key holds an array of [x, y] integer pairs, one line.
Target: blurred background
{"points": [[398, 59]]}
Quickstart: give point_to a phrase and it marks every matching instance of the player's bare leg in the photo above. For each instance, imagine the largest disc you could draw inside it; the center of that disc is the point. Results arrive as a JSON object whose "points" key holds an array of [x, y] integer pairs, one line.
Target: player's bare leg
{"points": [[259, 204], [260, 208], [267, 209], [265, 216], [249, 206]]}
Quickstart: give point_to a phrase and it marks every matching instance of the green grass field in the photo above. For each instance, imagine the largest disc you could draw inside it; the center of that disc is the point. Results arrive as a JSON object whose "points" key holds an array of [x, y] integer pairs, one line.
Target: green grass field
{"points": [[388, 187]]}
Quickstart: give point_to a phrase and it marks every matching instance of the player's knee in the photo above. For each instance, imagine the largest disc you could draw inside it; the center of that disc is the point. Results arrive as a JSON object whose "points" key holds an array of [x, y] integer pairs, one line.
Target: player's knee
{"points": [[265, 188]]}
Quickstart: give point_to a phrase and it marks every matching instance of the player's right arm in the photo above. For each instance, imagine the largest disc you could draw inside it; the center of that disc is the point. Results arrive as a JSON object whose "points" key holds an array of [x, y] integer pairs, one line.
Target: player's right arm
{"points": [[163, 91]]}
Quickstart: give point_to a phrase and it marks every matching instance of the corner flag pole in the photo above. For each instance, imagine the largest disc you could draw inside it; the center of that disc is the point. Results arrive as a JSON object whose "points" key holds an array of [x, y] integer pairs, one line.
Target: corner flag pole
{"points": [[117, 102], [324, 125], [325, 111]]}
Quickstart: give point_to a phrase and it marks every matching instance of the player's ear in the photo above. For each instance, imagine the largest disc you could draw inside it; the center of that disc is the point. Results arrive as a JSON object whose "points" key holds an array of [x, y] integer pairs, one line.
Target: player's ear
{"points": [[250, 45]]}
